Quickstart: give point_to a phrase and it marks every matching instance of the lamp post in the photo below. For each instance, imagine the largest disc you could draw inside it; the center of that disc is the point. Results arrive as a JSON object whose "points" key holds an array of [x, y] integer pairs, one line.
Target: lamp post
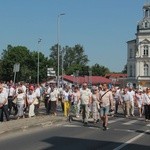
{"points": [[58, 51], [62, 67], [38, 63]]}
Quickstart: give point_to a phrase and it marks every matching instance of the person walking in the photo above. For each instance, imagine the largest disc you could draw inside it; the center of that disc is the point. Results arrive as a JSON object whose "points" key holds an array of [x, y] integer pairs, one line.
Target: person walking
{"points": [[76, 101], [31, 96], [53, 100], [21, 103], [95, 105], [126, 98], [85, 96], [139, 101], [117, 99], [132, 94], [11, 94], [146, 102], [67, 94], [46, 98], [106, 104], [3, 104]]}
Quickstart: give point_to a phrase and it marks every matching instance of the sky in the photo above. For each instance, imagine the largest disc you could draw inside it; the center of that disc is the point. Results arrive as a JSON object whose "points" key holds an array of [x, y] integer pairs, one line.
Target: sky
{"points": [[102, 27]]}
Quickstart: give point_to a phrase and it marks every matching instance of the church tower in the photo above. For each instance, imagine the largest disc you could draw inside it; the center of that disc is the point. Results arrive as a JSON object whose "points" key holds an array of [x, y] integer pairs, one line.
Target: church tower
{"points": [[138, 53]]}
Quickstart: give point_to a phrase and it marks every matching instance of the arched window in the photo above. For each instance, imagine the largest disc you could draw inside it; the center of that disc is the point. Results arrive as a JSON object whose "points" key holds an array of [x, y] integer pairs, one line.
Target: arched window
{"points": [[131, 71], [131, 53], [146, 24], [145, 50], [146, 13], [146, 70]]}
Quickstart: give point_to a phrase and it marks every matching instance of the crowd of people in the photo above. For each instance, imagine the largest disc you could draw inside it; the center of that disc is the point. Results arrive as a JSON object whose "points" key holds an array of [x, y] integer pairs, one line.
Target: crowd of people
{"points": [[23, 100]]}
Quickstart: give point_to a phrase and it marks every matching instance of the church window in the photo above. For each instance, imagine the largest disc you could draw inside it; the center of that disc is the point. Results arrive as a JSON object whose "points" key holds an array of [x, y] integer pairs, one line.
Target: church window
{"points": [[146, 13], [146, 24], [146, 69], [131, 71], [145, 52], [131, 53]]}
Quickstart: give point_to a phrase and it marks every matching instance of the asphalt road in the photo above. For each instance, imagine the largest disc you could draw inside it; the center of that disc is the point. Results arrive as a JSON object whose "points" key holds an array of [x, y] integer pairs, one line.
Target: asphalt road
{"points": [[126, 134]]}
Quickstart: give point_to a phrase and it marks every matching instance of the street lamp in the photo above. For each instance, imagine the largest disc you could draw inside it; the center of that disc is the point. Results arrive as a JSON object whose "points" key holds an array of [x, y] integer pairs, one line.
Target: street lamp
{"points": [[38, 63], [58, 51], [62, 67]]}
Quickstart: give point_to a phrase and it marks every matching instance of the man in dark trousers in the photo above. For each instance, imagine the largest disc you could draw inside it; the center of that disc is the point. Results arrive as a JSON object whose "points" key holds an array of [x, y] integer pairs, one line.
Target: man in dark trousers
{"points": [[3, 104]]}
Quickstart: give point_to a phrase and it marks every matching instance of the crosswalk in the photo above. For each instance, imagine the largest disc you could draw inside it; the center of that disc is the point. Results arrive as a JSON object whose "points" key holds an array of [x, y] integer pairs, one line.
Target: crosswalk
{"points": [[120, 121]]}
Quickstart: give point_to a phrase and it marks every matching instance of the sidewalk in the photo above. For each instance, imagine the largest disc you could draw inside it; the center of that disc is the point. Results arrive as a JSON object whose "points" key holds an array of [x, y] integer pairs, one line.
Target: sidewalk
{"points": [[37, 121]]}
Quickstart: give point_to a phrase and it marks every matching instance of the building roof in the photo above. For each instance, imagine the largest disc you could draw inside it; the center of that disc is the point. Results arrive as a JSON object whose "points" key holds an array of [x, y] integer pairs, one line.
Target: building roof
{"points": [[91, 79], [116, 75]]}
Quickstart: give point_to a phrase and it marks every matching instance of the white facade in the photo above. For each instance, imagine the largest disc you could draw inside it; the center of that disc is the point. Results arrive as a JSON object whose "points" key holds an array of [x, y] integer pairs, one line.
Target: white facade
{"points": [[138, 52]]}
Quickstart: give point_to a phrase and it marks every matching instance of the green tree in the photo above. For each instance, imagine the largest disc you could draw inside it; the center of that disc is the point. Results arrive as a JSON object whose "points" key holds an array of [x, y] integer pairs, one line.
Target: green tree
{"points": [[73, 58], [125, 69], [98, 70], [27, 61]]}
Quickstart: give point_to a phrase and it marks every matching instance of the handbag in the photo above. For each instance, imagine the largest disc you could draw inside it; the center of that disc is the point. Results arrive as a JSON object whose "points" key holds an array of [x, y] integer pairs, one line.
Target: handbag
{"points": [[36, 101]]}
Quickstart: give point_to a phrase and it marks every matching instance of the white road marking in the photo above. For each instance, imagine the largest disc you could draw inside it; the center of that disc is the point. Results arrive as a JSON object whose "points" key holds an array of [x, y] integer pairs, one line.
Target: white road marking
{"points": [[148, 125], [125, 130], [115, 120], [131, 140], [71, 125], [130, 122]]}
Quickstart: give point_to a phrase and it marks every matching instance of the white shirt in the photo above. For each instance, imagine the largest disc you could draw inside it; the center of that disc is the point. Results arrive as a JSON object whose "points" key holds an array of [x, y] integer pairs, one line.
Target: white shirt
{"points": [[146, 99], [11, 91], [38, 92], [127, 97], [20, 98], [85, 96], [3, 97], [53, 95], [132, 94], [31, 97]]}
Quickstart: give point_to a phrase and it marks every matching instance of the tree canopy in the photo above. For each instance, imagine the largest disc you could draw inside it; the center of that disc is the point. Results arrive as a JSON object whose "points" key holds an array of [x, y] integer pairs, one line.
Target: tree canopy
{"points": [[27, 61], [73, 59]]}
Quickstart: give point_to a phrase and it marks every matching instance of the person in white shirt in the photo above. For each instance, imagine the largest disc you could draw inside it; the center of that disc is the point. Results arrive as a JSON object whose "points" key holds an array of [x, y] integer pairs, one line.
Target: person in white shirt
{"points": [[46, 97], [85, 96], [21, 103], [3, 104], [117, 99], [146, 102], [127, 98], [31, 96], [11, 95], [76, 100], [37, 101], [66, 100], [132, 94], [53, 100], [139, 101]]}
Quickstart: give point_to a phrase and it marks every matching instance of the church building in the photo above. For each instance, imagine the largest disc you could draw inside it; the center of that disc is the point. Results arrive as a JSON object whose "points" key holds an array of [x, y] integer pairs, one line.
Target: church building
{"points": [[138, 53]]}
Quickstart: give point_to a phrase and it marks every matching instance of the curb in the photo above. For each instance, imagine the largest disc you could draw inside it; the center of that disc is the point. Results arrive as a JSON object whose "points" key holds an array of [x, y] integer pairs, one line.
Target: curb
{"points": [[55, 121]]}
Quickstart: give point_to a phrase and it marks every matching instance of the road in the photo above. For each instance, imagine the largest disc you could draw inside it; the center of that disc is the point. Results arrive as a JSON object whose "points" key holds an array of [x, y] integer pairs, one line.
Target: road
{"points": [[123, 133]]}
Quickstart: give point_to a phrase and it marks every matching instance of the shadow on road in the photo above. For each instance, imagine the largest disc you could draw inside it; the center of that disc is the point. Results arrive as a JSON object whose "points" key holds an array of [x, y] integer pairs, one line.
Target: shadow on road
{"points": [[65, 143]]}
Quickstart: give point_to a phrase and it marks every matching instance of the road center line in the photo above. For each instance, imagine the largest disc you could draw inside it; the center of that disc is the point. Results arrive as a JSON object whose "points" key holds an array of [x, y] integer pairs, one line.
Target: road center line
{"points": [[131, 140]]}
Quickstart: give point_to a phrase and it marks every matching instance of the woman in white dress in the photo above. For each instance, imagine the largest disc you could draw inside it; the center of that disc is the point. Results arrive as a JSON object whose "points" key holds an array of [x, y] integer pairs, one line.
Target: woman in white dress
{"points": [[31, 97], [95, 105], [21, 103], [139, 101]]}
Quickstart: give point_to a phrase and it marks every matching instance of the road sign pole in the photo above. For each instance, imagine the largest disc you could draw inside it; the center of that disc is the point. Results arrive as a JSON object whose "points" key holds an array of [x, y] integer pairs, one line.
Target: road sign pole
{"points": [[14, 76]]}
